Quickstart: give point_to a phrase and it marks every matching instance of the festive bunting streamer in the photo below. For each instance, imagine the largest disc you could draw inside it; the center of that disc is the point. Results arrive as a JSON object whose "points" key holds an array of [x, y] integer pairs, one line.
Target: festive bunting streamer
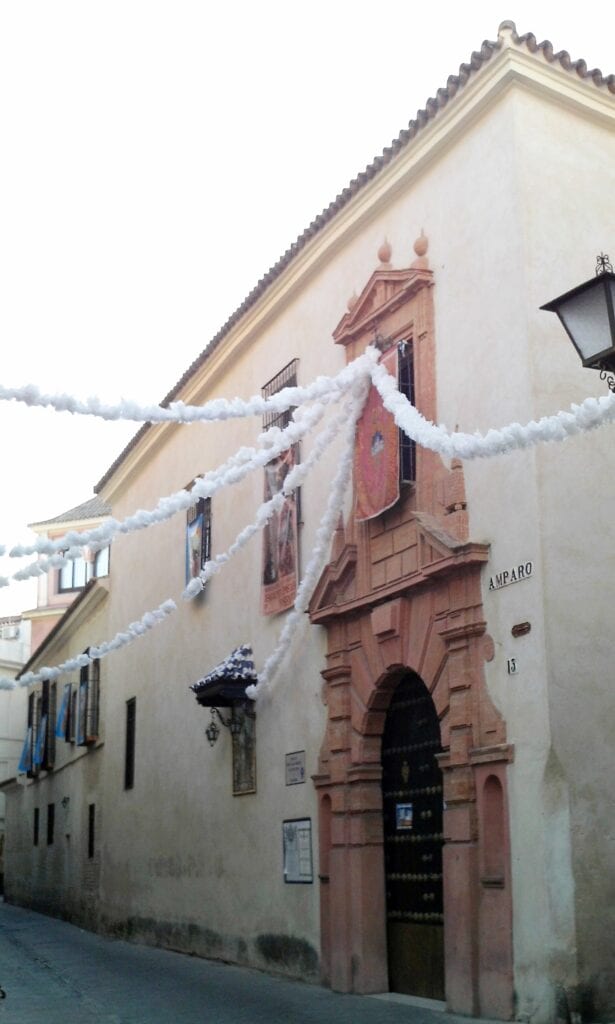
{"points": [[592, 413], [122, 639], [293, 480], [150, 619], [321, 549], [271, 444], [178, 412]]}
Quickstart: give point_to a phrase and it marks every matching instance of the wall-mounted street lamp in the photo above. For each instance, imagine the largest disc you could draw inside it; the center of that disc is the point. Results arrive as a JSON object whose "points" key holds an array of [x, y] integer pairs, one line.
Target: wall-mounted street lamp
{"points": [[587, 313], [225, 687], [234, 723]]}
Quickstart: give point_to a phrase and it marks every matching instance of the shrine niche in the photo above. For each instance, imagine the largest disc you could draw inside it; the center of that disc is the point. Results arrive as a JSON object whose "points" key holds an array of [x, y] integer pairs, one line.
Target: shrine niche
{"points": [[400, 600]]}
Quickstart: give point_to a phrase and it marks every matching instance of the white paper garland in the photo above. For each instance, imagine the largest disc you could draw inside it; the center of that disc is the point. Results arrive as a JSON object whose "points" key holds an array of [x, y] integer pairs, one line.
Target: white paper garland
{"points": [[271, 444], [320, 552], [121, 639], [178, 412], [592, 413], [293, 480]]}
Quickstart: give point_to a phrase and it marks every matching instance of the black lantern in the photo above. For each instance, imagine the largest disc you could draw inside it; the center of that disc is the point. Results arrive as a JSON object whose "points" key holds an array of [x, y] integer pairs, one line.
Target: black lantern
{"points": [[587, 313], [234, 722]]}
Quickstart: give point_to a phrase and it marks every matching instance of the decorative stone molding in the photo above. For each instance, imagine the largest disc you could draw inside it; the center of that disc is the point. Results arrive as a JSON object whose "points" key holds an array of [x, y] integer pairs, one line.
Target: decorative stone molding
{"points": [[401, 593]]}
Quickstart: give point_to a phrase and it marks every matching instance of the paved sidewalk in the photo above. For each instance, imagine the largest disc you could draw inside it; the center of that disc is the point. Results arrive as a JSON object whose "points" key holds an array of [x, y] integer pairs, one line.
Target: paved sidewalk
{"points": [[56, 973]]}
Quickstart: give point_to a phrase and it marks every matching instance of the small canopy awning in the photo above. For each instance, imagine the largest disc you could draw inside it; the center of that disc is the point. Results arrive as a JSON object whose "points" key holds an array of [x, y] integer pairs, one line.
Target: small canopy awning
{"points": [[226, 684]]}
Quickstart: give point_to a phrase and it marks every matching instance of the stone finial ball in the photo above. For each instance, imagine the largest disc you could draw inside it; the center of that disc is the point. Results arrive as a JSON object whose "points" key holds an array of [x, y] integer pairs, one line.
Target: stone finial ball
{"points": [[421, 244], [385, 252]]}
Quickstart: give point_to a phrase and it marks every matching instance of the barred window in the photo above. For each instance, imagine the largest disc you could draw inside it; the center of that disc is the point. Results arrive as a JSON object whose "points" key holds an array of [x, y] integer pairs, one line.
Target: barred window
{"points": [[88, 703], [45, 741], [286, 378], [407, 447]]}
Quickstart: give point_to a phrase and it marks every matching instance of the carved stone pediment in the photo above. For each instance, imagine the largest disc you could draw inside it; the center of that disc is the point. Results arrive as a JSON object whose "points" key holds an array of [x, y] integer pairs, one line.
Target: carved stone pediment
{"points": [[385, 292], [337, 585], [420, 544]]}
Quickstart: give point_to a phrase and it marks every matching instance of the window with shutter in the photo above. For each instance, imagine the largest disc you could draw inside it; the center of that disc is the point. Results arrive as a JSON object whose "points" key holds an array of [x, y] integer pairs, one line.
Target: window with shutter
{"points": [[87, 704]]}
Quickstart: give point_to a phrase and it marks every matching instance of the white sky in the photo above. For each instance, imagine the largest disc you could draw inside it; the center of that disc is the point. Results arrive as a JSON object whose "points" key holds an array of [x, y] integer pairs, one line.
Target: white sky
{"points": [[158, 158]]}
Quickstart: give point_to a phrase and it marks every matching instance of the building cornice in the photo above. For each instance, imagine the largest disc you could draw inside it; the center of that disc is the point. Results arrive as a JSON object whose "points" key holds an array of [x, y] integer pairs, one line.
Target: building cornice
{"points": [[81, 610]]}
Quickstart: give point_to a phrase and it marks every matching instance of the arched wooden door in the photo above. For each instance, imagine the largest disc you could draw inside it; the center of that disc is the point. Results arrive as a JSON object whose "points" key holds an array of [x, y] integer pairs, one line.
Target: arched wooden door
{"points": [[412, 809]]}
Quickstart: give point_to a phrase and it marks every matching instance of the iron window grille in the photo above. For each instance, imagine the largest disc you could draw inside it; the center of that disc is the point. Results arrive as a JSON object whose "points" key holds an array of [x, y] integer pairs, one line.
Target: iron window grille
{"points": [[286, 378], [87, 704], [407, 447], [47, 720]]}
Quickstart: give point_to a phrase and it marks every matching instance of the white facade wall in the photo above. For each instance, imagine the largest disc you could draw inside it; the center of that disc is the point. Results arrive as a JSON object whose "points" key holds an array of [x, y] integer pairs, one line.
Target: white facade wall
{"points": [[511, 186]]}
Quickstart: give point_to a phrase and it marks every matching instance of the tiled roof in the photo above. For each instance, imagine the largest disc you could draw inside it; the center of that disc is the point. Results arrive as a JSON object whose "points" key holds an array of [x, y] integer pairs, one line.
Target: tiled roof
{"points": [[433, 105], [93, 508]]}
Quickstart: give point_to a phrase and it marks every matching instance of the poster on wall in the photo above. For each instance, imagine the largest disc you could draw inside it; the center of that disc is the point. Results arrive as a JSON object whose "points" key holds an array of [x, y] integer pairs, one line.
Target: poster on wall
{"points": [[376, 459], [280, 561], [404, 816], [297, 839]]}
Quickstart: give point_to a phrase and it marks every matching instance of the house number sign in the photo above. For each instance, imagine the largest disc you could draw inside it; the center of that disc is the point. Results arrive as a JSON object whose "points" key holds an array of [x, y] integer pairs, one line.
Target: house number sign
{"points": [[523, 571]]}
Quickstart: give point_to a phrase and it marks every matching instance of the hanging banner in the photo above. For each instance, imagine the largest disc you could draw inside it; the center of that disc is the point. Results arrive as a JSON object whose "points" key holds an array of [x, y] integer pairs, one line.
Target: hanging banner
{"points": [[280, 562], [39, 749], [376, 459], [62, 720], [25, 761]]}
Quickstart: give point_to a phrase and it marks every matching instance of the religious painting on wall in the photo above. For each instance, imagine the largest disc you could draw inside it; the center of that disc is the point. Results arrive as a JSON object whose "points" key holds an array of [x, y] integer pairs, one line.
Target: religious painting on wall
{"points": [[376, 462], [194, 544], [244, 753], [280, 562], [198, 537]]}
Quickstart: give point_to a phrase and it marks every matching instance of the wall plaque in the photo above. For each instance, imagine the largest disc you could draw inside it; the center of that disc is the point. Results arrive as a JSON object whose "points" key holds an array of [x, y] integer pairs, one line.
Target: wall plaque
{"points": [[295, 768], [297, 840]]}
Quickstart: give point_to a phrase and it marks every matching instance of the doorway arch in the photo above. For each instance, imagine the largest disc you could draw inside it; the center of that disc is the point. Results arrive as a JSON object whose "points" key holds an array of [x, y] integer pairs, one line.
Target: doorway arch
{"points": [[412, 797], [433, 627]]}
